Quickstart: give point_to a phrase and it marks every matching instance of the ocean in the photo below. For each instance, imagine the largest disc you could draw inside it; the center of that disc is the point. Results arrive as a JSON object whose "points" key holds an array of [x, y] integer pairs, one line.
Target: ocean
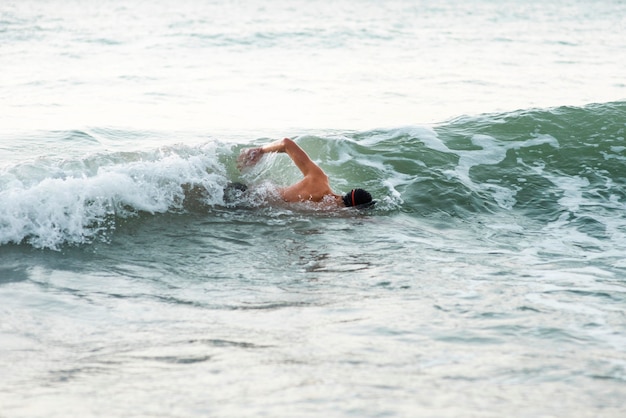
{"points": [[489, 280]]}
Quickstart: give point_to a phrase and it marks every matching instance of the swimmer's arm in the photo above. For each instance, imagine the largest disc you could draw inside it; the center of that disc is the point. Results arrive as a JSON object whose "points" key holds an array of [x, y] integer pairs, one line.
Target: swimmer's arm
{"points": [[286, 145], [297, 154]]}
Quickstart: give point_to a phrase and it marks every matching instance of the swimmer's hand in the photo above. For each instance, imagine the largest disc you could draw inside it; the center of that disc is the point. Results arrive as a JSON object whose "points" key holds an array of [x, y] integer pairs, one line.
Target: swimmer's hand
{"points": [[249, 157]]}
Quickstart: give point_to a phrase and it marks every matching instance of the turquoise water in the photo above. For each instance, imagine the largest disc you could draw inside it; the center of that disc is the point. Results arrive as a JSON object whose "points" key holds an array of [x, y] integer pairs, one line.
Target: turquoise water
{"points": [[489, 279]]}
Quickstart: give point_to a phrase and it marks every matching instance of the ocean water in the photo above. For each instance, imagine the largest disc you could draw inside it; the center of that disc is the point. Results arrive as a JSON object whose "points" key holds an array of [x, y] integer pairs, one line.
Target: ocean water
{"points": [[489, 280]]}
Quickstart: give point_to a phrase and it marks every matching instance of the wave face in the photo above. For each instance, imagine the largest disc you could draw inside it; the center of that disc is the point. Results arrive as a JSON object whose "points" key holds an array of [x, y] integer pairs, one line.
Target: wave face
{"points": [[559, 167], [542, 162]]}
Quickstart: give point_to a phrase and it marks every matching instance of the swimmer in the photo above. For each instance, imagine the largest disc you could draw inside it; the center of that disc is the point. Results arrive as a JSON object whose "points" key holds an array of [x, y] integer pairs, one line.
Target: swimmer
{"points": [[314, 187]]}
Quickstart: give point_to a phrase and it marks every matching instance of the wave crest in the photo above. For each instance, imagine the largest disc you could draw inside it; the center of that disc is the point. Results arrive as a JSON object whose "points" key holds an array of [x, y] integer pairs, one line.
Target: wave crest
{"points": [[48, 203]]}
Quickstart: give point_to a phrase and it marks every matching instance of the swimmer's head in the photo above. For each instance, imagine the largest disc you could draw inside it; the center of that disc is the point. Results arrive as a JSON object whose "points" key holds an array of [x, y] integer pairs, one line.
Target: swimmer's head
{"points": [[358, 198]]}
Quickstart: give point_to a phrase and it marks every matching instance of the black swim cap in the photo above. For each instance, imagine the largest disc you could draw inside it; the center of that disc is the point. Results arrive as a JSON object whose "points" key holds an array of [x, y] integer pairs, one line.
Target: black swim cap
{"points": [[358, 198]]}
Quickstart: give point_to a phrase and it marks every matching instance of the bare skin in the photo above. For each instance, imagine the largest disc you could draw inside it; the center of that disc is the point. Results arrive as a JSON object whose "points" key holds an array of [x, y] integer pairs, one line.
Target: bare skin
{"points": [[314, 187]]}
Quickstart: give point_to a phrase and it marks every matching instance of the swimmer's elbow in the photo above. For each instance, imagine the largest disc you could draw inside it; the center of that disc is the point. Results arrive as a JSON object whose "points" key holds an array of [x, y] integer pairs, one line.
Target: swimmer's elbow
{"points": [[288, 143]]}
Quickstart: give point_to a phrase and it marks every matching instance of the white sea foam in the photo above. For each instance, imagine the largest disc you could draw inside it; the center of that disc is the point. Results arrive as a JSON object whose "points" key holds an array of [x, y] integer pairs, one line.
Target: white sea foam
{"points": [[491, 152], [74, 207]]}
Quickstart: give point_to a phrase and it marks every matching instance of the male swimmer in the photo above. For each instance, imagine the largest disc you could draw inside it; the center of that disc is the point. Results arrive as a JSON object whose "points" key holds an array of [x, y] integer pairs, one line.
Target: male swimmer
{"points": [[314, 187]]}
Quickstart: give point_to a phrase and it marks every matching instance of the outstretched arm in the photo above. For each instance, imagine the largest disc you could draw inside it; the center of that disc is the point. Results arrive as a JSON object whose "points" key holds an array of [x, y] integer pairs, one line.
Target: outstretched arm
{"points": [[251, 156]]}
